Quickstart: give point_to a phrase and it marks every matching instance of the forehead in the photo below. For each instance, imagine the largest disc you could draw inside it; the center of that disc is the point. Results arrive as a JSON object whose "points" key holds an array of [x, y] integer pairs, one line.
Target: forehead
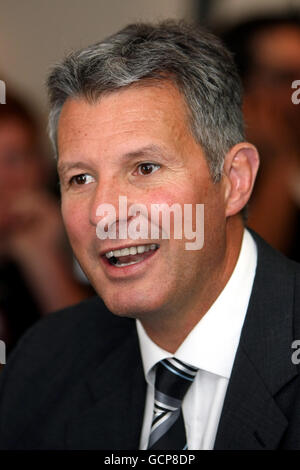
{"points": [[156, 112]]}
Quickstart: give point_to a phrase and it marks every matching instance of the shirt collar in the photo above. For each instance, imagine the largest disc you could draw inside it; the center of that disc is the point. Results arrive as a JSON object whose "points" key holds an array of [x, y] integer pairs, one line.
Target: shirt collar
{"points": [[212, 343]]}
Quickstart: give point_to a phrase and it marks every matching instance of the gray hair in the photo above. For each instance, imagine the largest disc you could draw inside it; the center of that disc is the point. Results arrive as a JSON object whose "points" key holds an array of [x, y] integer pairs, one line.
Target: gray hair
{"points": [[192, 58]]}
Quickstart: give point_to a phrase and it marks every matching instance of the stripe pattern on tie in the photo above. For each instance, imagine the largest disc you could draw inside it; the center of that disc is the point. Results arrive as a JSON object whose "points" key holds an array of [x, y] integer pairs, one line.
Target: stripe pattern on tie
{"points": [[173, 378]]}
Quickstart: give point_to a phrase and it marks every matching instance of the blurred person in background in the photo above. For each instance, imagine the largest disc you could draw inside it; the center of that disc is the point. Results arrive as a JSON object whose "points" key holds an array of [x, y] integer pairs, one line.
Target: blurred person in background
{"points": [[267, 52], [36, 274]]}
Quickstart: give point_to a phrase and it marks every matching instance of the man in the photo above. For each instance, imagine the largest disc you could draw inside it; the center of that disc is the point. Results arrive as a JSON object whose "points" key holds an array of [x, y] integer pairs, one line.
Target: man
{"points": [[195, 350]]}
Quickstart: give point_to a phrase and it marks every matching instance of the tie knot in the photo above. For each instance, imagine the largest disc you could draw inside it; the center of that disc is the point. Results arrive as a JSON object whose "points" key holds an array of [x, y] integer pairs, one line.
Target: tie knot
{"points": [[174, 377]]}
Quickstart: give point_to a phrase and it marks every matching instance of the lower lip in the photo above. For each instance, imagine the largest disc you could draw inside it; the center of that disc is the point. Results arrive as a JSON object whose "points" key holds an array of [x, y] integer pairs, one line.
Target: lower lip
{"points": [[126, 271]]}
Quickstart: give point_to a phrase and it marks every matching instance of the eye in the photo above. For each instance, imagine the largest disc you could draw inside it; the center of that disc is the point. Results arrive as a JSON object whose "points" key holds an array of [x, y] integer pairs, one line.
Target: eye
{"points": [[147, 168], [81, 179]]}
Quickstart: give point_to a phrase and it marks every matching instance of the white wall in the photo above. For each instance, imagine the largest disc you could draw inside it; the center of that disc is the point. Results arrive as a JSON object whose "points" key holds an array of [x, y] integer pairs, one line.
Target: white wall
{"points": [[34, 34]]}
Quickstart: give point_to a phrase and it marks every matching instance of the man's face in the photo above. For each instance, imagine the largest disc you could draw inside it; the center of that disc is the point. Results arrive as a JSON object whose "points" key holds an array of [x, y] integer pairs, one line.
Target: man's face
{"points": [[136, 143]]}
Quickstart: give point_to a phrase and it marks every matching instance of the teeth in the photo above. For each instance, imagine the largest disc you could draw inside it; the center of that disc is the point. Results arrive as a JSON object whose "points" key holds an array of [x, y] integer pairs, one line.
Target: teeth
{"points": [[120, 265], [133, 250]]}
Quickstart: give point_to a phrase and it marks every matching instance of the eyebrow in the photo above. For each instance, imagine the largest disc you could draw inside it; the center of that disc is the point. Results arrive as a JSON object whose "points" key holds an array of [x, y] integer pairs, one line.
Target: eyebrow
{"points": [[146, 151], [149, 150], [62, 168]]}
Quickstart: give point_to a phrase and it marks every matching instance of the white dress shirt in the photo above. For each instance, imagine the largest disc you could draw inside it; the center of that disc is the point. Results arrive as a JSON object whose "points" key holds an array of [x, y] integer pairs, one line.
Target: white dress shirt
{"points": [[211, 346]]}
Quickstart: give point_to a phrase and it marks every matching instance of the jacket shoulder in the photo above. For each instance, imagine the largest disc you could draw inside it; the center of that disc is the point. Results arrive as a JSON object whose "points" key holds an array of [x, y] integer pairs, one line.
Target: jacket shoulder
{"points": [[72, 329], [53, 358], [272, 259]]}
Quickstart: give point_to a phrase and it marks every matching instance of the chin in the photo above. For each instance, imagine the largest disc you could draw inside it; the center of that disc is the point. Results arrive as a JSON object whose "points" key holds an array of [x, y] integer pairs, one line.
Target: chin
{"points": [[131, 307]]}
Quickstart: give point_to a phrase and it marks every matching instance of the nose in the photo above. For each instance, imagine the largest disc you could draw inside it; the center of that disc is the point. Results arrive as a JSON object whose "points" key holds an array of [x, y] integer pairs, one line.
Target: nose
{"points": [[111, 197]]}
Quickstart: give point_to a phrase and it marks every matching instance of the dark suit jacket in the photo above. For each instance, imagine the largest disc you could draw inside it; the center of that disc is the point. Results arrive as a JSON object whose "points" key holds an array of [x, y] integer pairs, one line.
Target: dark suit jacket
{"points": [[76, 379]]}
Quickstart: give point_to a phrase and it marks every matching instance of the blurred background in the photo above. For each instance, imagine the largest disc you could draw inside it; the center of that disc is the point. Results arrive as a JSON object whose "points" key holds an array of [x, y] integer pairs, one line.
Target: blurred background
{"points": [[37, 271]]}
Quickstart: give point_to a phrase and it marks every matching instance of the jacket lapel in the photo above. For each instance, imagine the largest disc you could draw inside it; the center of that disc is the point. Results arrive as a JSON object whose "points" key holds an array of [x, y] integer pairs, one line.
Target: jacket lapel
{"points": [[250, 418], [116, 395]]}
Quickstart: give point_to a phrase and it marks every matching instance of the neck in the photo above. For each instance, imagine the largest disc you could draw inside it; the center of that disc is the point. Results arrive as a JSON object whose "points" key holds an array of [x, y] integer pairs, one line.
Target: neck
{"points": [[169, 330]]}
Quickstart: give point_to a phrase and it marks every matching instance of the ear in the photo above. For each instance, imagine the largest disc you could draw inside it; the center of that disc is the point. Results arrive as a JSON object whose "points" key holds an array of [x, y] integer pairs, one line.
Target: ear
{"points": [[239, 173]]}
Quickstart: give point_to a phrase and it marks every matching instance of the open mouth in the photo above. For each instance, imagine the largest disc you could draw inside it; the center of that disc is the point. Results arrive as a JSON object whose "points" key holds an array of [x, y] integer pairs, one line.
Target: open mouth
{"points": [[131, 255]]}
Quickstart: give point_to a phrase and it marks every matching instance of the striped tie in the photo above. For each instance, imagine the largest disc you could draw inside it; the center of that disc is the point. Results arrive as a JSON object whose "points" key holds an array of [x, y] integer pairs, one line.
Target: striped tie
{"points": [[173, 378]]}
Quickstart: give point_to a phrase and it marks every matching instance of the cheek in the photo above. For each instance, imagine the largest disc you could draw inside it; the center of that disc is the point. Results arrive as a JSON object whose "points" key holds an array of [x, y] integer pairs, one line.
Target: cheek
{"points": [[176, 194], [189, 194]]}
